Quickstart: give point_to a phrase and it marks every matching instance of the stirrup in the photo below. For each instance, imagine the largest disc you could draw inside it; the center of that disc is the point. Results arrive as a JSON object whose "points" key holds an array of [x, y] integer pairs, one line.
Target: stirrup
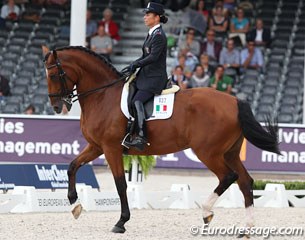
{"points": [[138, 142], [125, 141]]}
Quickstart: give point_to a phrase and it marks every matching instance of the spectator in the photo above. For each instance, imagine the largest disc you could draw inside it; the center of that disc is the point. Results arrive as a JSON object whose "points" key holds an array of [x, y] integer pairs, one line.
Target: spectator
{"points": [[111, 28], [219, 23], [188, 61], [219, 3], [251, 57], [211, 47], [29, 110], [179, 78], [190, 44], [220, 81], [200, 7], [205, 63], [260, 35], [199, 78], [239, 27], [102, 43], [91, 25], [5, 89], [10, 11], [230, 57]]}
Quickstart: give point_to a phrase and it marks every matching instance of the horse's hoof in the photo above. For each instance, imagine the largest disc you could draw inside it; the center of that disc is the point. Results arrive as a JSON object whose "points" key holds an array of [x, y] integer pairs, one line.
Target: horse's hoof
{"points": [[117, 229], [77, 210], [208, 219]]}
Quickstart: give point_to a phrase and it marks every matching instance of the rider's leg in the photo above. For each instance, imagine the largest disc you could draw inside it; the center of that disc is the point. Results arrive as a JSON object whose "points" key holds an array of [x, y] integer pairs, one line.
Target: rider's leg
{"points": [[137, 102]]}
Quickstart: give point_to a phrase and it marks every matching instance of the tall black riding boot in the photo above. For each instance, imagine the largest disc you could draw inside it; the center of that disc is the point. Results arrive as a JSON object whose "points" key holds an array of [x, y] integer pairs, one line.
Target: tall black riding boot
{"points": [[140, 140]]}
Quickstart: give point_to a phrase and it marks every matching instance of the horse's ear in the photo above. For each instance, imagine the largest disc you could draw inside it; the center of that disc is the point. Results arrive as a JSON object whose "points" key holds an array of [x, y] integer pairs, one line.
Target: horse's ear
{"points": [[45, 50]]}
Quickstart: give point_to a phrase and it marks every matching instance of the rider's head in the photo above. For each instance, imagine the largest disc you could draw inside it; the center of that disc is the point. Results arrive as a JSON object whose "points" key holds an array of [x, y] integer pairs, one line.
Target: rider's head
{"points": [[154, 14]]}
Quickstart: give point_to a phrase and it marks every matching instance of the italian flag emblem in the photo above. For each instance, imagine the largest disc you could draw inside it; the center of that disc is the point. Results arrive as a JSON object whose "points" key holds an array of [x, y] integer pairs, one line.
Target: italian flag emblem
{"points": [[161, 108]]}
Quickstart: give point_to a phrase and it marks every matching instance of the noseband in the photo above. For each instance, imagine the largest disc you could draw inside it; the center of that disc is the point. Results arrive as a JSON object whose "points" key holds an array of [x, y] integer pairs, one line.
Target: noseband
{"points": [[67, 95]]}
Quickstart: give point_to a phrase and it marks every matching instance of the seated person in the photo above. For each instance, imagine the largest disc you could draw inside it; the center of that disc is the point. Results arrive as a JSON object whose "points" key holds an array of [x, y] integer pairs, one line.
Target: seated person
{"points": [[220, 81], [230, 57], [199, 78], [261, 35], [10, 11], [239, 26], [220, 3], [190, 44], [211, 47], [219, 23], [179, 78], [102, 43], [200, 7], [111, 28], [205, 63], [251, 57], [187, 61], [91, 25]]}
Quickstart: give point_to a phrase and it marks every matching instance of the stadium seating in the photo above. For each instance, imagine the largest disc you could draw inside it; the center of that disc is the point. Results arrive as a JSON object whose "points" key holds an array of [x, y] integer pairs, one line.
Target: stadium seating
{"points": [[278, 90]]}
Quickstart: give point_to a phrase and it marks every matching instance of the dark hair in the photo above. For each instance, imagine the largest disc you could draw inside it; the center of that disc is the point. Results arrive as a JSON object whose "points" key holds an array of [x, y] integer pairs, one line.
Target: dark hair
{"points": [[30, 107], [197, 3], [179, 66], [163, 19], [220, 66]]}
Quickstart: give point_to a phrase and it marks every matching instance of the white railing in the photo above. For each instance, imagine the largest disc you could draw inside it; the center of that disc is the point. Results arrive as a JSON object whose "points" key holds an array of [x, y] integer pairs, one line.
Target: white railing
{"points": [[180, 196]]}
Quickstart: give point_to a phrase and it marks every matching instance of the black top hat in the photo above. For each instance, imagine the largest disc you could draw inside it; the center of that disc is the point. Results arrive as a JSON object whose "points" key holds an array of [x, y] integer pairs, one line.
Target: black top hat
{"points": [[155, 8]]}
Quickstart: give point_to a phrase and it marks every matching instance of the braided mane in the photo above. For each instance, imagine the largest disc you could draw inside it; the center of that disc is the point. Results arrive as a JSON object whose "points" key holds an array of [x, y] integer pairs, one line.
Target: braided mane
{"points": [[88, 51]]}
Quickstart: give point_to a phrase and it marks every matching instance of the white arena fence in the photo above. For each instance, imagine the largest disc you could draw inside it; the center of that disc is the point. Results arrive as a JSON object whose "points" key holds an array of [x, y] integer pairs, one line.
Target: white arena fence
{"points": [[180, 196]]}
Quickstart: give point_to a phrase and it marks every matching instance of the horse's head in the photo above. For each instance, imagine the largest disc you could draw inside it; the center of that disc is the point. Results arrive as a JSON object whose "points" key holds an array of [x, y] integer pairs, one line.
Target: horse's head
{"points": [[60, 82]]}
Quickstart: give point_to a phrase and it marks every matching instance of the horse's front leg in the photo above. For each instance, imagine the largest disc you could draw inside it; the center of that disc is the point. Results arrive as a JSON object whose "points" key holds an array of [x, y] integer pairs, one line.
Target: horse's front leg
{"points": [[88, 154], [115, 161]]}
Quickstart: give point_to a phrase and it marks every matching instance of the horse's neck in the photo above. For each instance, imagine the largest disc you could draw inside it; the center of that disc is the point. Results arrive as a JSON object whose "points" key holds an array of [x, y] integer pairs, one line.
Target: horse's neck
{"points": [[101, 99]]}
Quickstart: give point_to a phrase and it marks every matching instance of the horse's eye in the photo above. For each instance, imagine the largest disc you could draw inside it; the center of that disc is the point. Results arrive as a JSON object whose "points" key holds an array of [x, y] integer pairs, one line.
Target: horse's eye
{"points": [[53, 77]]}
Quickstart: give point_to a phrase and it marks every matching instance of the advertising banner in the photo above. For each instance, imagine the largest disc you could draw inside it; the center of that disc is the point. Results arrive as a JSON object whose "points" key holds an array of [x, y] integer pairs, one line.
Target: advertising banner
{"points": [[40, 140], [43, 176], [51, 140]]}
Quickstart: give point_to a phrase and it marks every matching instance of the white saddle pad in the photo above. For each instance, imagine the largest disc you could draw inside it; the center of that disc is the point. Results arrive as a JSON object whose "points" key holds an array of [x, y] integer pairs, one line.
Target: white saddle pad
{"points": [[163, 105]]}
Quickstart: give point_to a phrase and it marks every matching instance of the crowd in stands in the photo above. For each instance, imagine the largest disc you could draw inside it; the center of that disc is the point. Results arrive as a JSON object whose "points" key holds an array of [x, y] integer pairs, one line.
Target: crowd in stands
{"points": [[219, 44], [228, 47]]}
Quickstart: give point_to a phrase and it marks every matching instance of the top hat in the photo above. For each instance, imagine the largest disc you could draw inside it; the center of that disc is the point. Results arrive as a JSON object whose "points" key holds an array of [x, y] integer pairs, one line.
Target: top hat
{"points": [[154, 8]]}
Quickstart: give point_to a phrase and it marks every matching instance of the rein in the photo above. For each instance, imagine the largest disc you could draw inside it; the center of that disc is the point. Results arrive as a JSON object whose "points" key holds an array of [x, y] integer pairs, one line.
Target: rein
{"points": [[67, 95]]}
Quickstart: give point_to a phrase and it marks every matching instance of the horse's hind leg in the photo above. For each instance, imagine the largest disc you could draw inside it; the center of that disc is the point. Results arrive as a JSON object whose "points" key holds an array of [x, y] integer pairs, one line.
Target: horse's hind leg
{"points": [[245, 182], [225, 176], [88, 154]]}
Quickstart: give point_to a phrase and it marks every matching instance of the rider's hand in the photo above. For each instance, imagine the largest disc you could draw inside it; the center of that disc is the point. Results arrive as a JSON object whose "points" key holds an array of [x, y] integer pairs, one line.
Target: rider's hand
{"points": [[133, 66]]}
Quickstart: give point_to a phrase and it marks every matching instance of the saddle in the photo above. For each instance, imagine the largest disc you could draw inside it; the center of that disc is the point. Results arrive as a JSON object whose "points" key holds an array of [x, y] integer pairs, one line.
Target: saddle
{"points": [[148, 106], [159, 107]]}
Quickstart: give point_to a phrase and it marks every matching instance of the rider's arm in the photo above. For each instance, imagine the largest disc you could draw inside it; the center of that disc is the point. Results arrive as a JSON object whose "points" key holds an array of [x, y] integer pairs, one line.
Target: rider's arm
{"points": [[158, 44]]}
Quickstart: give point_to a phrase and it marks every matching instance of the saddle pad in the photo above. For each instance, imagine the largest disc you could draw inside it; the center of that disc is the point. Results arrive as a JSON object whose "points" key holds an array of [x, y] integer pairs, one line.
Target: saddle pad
{"points": [[163, 105]]}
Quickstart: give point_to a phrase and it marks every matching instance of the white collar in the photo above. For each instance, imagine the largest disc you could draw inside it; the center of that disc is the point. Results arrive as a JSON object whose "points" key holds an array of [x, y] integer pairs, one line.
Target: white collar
{"points": [[153, 29]]}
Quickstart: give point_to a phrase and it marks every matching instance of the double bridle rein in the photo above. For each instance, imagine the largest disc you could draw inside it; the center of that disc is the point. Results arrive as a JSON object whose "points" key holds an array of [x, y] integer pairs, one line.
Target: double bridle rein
{"points": [[66, 95]]}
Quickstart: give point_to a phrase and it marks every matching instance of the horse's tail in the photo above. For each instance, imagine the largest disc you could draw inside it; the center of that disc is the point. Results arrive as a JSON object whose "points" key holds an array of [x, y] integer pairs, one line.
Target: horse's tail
{"points": [[254, 132]]}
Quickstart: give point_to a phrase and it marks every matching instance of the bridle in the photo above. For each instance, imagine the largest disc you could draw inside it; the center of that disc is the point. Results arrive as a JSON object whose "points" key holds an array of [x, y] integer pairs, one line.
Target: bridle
{"points": [[66, 95]]}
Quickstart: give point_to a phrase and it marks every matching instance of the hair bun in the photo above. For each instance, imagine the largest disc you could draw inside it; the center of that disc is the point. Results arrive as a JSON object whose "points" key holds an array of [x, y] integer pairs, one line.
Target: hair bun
{"points": [[163, 19]]}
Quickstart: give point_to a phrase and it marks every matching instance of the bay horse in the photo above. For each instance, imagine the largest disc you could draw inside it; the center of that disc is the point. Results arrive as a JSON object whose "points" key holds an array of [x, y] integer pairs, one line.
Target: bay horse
{"points": [[213, 124]]}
